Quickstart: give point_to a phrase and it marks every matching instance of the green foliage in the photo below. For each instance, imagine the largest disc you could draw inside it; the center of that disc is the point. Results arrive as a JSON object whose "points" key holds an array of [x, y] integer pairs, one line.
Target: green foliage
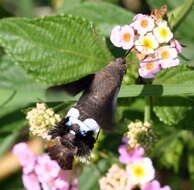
{"points": [[104, 15], [171, 110], [17, 88], [177, 15], [56, 49]]}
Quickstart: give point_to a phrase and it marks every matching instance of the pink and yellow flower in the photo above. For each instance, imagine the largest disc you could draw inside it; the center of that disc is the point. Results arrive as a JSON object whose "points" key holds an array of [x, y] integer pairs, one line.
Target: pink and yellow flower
{"points": [[123, 37], [149, 67], [143, 24], [166, 53]]}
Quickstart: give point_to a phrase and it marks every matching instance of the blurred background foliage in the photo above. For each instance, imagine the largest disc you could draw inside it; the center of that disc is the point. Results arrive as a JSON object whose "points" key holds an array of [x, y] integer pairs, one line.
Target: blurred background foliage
{"points": [[173, 116]]}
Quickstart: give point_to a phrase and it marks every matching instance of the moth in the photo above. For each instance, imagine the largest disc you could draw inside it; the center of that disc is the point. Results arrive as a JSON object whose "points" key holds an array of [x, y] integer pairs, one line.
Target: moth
{"points": [[75, 134]]}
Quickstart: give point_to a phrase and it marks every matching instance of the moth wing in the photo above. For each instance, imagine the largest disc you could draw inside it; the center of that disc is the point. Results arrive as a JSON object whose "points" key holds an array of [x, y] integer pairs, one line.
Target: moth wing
{"points": [[75, 87], [107, 121]]}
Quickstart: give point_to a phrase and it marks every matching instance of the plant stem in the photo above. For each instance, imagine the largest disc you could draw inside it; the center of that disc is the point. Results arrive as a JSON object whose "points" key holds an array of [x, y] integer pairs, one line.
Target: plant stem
{"points": [[148, 108]]}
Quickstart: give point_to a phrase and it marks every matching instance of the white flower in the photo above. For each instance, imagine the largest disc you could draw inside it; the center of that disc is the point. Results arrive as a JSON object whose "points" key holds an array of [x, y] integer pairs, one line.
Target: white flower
{"points": [[143, 24], [115, 36], [123, 37], [141, 171], [163, 33], [146, 44]]}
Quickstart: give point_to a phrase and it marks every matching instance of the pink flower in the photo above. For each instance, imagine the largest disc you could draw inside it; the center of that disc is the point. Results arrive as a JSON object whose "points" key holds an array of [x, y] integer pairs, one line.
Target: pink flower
{"points": [[26, 158], [149, 67], [130, 155], [31, 182], [20, 148], [42, 170], [176, 44], [166, 53], [123, 37], [125, 140], [47, 168], [169, 63], [63, 179], [154, 185], [143, 24], [61, 184], [75, 184], [138, 17]]}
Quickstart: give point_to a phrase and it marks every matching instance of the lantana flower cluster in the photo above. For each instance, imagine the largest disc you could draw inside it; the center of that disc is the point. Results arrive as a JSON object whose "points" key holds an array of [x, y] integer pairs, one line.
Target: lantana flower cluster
{"points": [[41, 119], [40, 172], [141, 134], [152, 40], [138, 171]]}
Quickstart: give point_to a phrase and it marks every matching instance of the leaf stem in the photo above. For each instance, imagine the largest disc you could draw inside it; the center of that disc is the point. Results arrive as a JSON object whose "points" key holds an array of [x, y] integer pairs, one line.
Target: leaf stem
{"points": [[148, 108]]}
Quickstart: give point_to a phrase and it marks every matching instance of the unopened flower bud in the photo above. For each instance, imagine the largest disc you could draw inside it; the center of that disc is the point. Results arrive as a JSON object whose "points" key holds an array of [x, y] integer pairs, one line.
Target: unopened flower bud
{"points": [[140, 134]]}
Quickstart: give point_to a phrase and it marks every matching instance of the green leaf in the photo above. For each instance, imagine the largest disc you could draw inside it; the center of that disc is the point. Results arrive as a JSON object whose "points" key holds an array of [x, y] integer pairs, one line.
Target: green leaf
{"points": [[155, 90], [133, 91], [13, 182], [181, 74], [7, 142], [171, 110], [169, 149], [17, 89], [176, 16], [55, 49], [104, 15], [10, 127]]}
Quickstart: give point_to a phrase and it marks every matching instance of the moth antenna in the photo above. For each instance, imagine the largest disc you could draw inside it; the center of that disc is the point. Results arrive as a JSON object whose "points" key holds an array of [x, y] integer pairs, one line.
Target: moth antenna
{"points": [[154, 60]]}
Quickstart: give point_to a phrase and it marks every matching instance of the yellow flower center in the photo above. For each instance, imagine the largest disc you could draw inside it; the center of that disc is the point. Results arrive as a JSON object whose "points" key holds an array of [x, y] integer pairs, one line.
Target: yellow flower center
{"points": [[144, 23], [138, 171], [126, 37], [150, 66], [148, 44], [165, 54], [163, 32]]}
